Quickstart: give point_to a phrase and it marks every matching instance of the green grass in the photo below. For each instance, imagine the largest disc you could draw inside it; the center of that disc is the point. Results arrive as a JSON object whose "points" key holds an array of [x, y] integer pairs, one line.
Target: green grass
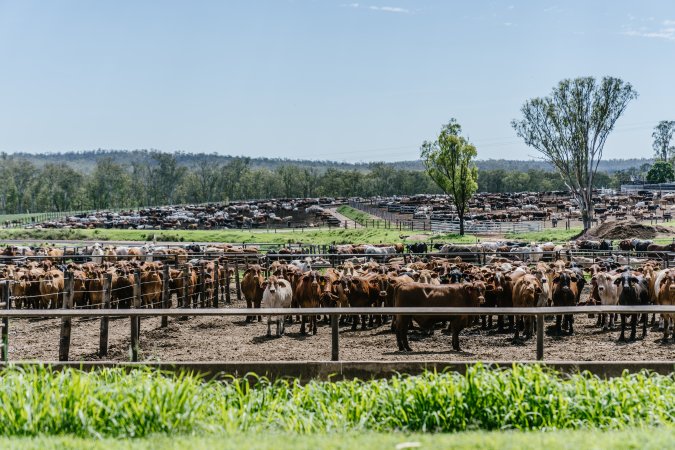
{"points": [[652, 438], [113, 403], [358, 216], [317, 237]]}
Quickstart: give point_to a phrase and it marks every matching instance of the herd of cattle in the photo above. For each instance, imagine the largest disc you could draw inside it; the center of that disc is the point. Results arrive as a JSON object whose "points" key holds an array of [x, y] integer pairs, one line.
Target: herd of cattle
{"points": [[307, 212], [515, 275], [251, 214], [519, 206]]}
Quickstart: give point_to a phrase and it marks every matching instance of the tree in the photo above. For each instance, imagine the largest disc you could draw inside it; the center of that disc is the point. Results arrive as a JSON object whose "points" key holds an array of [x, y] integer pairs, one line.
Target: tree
{"points": [[570, 128], [663, 133], [449, 162], [661, 172]]}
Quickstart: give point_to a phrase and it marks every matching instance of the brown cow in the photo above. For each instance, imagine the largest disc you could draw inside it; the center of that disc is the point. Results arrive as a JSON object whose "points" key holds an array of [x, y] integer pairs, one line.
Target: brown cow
{"points": [[151, 288], [51, 289], [666, 296], [307, 294], [80, 295], [526, 293], [253, 289], [419, 295], [95, 288]]}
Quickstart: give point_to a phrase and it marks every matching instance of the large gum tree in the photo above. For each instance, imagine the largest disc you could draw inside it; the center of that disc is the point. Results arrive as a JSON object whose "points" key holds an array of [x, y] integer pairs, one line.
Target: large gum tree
{"points": [[570, 128]]}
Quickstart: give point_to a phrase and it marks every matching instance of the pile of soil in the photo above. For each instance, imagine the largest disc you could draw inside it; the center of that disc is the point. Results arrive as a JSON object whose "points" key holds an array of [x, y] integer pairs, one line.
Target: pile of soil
{"points": [[627, 229]]}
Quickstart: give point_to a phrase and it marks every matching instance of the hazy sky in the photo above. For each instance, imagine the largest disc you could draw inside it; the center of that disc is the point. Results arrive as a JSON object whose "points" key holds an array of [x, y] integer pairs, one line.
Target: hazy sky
{"points": [[317, 79]]}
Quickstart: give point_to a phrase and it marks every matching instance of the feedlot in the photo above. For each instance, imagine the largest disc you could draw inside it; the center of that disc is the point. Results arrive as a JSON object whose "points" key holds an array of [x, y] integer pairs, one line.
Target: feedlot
{"points": [[231, 339]]}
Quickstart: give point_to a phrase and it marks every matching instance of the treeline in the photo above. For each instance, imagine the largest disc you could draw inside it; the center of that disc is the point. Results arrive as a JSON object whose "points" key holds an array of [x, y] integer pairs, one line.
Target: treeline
{"points": [[162, 180], [85, 161]]}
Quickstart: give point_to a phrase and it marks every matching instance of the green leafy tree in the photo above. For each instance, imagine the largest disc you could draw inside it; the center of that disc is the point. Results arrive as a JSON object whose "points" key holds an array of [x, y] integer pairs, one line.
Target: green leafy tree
{"points": [[662, 135], [449, 162], [661, 172], [570, 128]]}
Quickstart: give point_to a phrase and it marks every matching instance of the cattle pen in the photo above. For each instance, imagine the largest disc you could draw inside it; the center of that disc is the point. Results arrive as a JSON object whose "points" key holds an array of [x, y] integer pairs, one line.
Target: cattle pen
{"points": [[222, 307], [134, 315]]}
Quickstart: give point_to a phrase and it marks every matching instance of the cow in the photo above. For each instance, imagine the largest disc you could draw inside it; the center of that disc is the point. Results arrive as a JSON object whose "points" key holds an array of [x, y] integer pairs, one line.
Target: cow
{"points": [[420, 295], [278, 294], [95, 288], [633, 290], [496, 293], [80, 291], [565, 293], [151, 288], [660, 250], [364, 292], [417, 247], [665, 295], [307, 294], [252, 288], [608, 294], [97, 254], [526, 292], [51, 289]]}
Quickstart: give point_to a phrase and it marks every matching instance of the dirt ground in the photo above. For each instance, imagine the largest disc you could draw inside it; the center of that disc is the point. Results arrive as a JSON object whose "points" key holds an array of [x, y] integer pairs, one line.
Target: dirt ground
{"points": [[231, 339]]}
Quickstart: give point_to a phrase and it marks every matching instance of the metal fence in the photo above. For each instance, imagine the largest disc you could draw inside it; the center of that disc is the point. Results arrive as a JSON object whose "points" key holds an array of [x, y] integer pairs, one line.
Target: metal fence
{"points": [[480, 227]]}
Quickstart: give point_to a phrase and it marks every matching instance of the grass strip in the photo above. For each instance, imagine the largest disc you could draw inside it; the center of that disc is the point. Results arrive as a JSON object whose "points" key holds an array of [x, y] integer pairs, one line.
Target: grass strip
{"points": [[113, 403], [650, 438]]}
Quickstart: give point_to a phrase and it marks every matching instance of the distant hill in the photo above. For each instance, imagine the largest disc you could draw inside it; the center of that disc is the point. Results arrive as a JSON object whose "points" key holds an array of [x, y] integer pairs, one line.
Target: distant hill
{"points": [[85, 161]]}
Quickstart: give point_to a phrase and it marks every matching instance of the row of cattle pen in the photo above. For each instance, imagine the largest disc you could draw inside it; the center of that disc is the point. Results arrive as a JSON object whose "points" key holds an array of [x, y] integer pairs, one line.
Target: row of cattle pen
{"points": [[353, 281]]}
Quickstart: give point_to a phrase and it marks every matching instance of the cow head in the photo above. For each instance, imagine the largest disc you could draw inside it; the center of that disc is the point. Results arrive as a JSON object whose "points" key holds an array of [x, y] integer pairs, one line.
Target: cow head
{"points": [[476, 291], [564, 281], [271, 284], [626, 280]]}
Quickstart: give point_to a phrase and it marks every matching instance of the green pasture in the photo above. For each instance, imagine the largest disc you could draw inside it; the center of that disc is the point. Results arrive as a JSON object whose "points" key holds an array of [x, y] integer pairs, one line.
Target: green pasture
{"points": [[359, 216], [307, 235], [647, 439]]}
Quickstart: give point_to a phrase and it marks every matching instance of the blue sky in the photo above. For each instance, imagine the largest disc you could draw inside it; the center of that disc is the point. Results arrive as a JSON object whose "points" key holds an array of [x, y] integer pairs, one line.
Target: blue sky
{"points": [[317, 79]]}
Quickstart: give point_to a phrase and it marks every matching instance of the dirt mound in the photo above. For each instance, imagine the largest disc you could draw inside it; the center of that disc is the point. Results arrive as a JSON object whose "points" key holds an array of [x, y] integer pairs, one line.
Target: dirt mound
{"points": [[627, 229]]}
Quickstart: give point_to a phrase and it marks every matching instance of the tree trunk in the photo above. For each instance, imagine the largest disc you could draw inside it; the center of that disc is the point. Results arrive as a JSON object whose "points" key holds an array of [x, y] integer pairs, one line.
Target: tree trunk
{"points": [[586, 205], [461, 224]]}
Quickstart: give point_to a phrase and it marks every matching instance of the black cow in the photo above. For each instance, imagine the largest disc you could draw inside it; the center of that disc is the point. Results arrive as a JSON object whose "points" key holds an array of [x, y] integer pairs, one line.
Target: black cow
{"points": [[565, 293], [417, 247], [634, 290]]}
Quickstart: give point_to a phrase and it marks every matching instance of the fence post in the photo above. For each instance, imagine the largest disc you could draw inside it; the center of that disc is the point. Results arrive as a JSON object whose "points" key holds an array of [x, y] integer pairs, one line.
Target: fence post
{"points": [[166, 294], [5, 323], [227, 282], [335, 338], [107, 292], [136, 321], [64, 342], [237, 283], [540, 337], [216, 282], [184, 300], [202, 285]]}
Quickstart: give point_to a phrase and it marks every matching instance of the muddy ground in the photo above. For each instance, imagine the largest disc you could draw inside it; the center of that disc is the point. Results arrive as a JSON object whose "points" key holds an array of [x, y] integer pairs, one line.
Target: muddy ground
{"points": [[231, 339]]}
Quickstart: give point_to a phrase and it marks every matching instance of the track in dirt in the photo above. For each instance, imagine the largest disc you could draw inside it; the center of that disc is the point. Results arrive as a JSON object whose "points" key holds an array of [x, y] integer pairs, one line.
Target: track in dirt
{"points": [[231, 339]]}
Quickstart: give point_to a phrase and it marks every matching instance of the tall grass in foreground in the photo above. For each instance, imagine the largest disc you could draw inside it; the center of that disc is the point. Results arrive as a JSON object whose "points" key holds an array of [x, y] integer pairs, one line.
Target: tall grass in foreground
{"points": [[112, 402]]}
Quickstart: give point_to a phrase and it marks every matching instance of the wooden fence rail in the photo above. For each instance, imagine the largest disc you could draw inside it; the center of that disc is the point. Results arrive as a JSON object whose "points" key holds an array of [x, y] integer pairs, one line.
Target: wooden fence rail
{"points": [[135, 314]]}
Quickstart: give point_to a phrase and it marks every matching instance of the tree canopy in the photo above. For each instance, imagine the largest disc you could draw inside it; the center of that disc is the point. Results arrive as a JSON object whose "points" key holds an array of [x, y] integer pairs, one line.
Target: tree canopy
{"points": [[570, 128], [661, 172], [662, 135], [449, 163]]}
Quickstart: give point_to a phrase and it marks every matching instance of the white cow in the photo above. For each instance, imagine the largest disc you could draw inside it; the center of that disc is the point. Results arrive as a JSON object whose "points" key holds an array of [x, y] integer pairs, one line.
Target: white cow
{"points": [[278, 294], [608, 292]]}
